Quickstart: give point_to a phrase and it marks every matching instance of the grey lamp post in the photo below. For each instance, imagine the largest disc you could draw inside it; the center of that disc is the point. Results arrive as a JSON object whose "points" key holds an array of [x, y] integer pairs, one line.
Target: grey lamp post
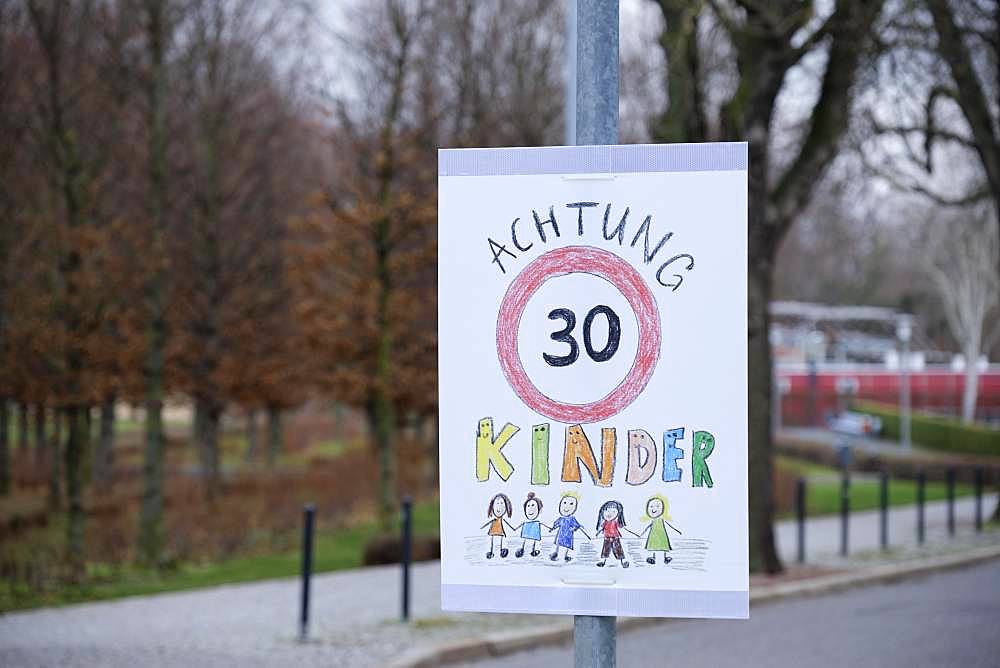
{"points": [[904, 331]]}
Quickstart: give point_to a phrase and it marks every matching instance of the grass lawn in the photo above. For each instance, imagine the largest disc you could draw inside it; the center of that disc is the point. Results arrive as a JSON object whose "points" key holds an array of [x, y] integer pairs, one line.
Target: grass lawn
{"points": [[823, 494], [334, 550]]}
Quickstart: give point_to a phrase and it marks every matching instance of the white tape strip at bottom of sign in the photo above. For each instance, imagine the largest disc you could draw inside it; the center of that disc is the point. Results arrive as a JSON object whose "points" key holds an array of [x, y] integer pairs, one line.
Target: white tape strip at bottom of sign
{"points": [[591, 600]]}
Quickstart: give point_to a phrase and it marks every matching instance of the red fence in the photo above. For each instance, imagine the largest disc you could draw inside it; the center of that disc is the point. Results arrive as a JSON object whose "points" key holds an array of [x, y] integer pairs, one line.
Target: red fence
{"points": [[808, 398]]}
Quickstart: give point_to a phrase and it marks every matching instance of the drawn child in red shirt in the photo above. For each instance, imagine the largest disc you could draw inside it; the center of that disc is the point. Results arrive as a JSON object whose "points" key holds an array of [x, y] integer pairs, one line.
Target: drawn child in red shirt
{"points": [[611, 522]]}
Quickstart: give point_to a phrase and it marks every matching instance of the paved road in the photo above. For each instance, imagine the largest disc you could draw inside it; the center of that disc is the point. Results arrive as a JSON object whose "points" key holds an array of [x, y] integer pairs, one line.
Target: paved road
{"points": [[947, 619]]}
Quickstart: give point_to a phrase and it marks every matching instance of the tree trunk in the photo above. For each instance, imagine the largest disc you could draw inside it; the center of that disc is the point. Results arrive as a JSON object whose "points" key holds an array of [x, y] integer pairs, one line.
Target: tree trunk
{"points": [[763, 555], [207, 416], [22, 428], [104, 459], [434, 450], [970, 392], [383, 406], [275, 438], [88, 421], [252, 435], [338, 419], [54, 501], [382, 419], [4, 447], [40, 444], [75, 447], [151, 510]]}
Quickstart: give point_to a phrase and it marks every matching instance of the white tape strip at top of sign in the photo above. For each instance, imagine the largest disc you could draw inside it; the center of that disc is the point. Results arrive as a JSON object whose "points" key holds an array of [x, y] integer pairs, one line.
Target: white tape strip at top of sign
{"points": [[619, 159]]}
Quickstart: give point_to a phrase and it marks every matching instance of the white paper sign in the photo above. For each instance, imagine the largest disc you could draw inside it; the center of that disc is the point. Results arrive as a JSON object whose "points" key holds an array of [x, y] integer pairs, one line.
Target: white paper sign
{"points": [[593, 380]]}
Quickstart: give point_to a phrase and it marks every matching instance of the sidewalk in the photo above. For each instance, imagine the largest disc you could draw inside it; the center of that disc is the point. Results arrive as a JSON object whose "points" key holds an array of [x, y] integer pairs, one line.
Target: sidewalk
{"points": [[823, 533], [355, 613]]}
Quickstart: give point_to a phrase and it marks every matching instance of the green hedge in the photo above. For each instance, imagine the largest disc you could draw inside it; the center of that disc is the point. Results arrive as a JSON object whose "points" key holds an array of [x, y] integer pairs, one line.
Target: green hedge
{"points": [[937, 433]]}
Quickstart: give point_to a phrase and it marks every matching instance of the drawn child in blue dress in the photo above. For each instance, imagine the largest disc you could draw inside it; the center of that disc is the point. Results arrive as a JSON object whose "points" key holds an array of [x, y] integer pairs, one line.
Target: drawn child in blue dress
{"points": [[566, 525], [531, 528]]}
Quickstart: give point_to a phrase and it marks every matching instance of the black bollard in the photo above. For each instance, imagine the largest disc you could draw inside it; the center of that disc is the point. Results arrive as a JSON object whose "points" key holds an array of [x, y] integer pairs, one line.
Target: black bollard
{"points": [[884, 510], [800, 516], [921, 482], [308, 515], [845, 509], [406, 554], [950, 483]]}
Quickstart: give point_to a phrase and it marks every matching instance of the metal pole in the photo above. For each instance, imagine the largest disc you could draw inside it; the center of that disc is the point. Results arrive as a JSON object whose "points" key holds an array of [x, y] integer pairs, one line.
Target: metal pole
{"points": [[596, 72], [813, 391], [979, 498], [308, 514], [800, 516], [951, 500], [921, 480], [569, 114], [845, 509], [905, 331], [884, 510], [596, 106], [406, 554]]}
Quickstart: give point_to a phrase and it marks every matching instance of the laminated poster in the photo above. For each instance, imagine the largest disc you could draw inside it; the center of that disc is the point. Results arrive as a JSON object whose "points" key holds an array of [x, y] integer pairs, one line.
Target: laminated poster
{"points": [[593, 380]]}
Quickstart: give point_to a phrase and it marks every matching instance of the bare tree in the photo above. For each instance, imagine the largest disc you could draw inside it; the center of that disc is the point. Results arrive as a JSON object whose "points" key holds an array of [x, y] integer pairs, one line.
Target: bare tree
{"points": [[77, 120], [962, 270], [768, 44], [11, 132], [158, 19], [942, 79]]}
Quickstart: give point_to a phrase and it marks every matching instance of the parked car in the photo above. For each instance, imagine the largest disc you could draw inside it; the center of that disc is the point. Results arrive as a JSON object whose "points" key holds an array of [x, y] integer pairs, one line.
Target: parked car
{"points": [[855, 424]]}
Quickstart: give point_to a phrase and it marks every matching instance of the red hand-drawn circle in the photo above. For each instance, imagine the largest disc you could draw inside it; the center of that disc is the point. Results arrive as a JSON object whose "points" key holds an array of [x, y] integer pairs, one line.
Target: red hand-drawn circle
{"points": [[610, 267]]}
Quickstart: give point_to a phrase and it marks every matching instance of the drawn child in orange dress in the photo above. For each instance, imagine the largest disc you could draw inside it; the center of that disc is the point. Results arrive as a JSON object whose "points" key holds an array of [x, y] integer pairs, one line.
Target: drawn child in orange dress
{"points": [[500, 506]]}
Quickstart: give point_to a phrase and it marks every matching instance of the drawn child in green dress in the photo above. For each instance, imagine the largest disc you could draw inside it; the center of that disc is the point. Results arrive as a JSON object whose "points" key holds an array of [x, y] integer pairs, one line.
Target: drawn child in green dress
{"points": [[658, 540]]}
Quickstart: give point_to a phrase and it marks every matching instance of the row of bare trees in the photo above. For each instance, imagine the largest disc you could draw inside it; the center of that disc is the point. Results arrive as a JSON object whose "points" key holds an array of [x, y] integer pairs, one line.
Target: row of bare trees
{"points": [[194, 209], [160, 149], [185, 217]]}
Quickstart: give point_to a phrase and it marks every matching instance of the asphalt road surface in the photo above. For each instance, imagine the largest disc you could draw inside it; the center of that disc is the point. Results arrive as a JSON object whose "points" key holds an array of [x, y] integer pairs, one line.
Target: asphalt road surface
{"points": [[947, 619]]}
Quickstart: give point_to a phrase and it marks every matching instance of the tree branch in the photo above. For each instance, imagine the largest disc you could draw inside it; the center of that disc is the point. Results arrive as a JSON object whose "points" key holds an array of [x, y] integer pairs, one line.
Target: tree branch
{"points": [[849, 28], [913, 186], [970, 95]]}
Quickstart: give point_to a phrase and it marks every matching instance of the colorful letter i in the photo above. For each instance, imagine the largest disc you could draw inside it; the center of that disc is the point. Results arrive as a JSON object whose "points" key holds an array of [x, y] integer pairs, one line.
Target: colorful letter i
{"points": [[540, 454]]}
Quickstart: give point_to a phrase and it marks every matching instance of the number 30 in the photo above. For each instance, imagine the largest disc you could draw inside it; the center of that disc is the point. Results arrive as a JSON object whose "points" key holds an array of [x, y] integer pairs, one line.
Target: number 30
{"points": [[565, 336]]}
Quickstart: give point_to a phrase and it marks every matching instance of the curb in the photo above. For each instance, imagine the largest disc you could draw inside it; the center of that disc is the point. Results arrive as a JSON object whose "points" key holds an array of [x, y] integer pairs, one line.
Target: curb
{"points": [[509, 642]]}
